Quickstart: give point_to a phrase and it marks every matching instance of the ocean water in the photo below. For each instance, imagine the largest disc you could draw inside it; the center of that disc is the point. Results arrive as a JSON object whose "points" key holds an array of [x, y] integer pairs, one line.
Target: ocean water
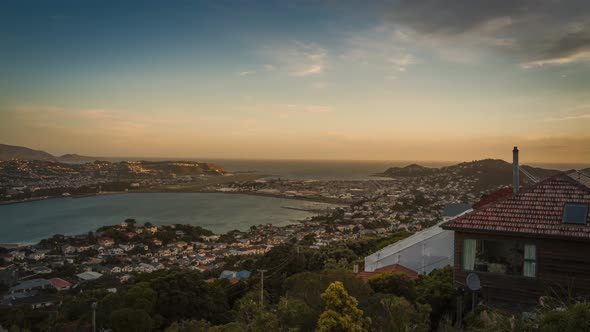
{"points": [[317, 169], [32, 221], [326, 170]]}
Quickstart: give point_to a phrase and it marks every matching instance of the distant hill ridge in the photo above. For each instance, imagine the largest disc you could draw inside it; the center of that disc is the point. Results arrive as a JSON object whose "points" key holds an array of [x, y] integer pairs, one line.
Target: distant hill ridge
{"points": [[8, 152], [20, 152], [485, 174]]}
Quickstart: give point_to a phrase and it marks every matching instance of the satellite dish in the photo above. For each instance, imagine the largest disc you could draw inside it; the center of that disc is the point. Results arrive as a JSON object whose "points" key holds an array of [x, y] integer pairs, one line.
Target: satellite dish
{"points": [[473, 282]]}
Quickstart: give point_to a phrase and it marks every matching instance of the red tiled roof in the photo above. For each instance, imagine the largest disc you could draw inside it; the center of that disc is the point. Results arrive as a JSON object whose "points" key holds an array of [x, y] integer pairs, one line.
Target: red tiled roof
{"points": [[537, 210], [59, 283], [493, 197], [391, 268]]}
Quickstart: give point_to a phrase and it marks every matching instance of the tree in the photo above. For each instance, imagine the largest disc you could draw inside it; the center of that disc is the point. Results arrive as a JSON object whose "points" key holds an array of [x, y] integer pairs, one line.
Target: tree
{"points": [[342, 313], [395, 283], [309, 286], [189, 326], [185, 295], [436, 289], [131, 320], [130, 221], [15, 328], [397, 314], [254, 317], [141, 296], [295, 313]]}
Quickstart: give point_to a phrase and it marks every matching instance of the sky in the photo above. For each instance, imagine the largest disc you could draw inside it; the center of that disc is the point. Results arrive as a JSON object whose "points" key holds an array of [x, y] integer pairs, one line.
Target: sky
{"points": [[355, 80]]}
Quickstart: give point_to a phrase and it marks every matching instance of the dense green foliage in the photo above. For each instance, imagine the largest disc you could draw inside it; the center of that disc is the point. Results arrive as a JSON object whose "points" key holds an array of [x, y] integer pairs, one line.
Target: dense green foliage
{"points": [[394, 283], [304, 290], [342, 313]]}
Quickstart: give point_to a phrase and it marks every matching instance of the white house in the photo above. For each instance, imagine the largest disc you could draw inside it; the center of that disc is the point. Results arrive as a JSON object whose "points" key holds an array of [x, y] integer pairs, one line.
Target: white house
{"points": [[429, 249]]}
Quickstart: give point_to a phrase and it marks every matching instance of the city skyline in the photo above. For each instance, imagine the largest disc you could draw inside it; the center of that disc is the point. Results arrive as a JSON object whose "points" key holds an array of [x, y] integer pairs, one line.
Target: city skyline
{"points": [[394, 80]]}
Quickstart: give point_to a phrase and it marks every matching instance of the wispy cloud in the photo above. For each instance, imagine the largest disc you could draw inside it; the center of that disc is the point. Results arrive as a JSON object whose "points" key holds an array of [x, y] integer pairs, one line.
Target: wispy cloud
{"points": [[579, 56], [381, 46], [579, 112], [298, 59], [246, 73], [536, 32]]}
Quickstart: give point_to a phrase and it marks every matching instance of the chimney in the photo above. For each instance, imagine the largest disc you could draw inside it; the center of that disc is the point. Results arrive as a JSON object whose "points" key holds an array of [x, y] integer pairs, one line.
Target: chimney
{"points": [[355, 268], [515, 171]]}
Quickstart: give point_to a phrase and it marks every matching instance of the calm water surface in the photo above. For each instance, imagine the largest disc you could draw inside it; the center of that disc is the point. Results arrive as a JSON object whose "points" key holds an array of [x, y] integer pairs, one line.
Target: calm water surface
{"points": [[33, 221]]}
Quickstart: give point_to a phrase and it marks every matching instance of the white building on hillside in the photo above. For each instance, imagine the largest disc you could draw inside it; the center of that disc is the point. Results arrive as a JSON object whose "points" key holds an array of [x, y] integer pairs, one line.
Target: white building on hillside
{"points": [[429, 249]]}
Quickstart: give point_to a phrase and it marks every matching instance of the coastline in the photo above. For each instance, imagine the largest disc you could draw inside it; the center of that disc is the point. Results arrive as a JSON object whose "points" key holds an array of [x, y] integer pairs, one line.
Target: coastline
{"points": [[307, 199], [44, 198]]}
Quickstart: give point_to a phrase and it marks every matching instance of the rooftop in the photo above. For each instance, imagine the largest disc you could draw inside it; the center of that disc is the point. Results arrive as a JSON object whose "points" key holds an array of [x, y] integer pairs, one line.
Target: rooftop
{"points": [[396, 268], [30, 284], [90, 275], [537, 210], [59, 283]]}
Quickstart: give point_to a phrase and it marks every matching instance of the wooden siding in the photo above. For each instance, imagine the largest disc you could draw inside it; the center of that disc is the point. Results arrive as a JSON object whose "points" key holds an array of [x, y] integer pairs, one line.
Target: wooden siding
{"points": [[563, 268]]}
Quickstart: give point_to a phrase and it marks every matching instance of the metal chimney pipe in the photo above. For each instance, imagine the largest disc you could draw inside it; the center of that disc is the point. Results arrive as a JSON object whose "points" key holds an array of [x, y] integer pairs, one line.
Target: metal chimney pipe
{"points": [[515, 171]]}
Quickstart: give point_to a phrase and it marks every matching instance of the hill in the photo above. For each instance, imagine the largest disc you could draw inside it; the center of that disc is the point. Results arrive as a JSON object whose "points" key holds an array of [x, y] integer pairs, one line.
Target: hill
{"points": [[77, 159], [408, 171], [484, 174], [19, 152]]}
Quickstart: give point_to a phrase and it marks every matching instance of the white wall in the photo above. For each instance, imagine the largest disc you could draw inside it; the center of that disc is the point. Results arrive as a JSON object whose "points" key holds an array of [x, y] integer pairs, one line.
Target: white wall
{"points": [[422, 252]]}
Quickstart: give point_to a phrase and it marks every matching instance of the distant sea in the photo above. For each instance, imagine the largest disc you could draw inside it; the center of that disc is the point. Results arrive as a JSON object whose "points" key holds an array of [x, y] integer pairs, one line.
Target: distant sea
{"points": [[325, 170], [338, 170]]}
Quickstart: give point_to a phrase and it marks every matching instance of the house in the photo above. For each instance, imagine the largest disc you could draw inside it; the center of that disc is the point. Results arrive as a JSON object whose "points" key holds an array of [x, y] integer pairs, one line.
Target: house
{"points": [[68, 249], [533, 243], [226, 274], [424, 251], [42, 270], [35, 301], [88, 276], [126, 247], [60, 284], [125, 278], [106, 241], [144, 268], [30, 285], [395, 268], [6, 257], [37, 256], [17, 255]]}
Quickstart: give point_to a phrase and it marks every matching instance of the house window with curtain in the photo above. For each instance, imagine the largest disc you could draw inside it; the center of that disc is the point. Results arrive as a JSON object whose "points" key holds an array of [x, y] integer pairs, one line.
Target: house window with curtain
{"points": [[530, 261], [469, 250], [500, 257]]}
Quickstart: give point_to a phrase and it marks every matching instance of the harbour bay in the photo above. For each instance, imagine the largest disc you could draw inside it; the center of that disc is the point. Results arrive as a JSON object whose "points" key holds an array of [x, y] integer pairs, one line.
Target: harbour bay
{"points": [[30, 222]]}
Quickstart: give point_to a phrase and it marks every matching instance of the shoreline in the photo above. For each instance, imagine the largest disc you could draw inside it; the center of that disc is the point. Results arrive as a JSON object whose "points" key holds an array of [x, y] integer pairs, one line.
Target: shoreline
{"points": [[307, 199], [45, 198]]}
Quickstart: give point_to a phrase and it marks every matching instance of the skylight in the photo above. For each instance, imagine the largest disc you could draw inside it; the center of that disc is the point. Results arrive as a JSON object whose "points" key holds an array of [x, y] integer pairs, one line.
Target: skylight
{"points": [[575, 213]]}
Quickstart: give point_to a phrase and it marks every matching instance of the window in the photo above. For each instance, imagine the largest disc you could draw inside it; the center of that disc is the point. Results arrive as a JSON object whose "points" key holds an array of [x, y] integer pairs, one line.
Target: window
{"points": [[469, 247], [503, 257], [530, 261], [575, 214]]}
